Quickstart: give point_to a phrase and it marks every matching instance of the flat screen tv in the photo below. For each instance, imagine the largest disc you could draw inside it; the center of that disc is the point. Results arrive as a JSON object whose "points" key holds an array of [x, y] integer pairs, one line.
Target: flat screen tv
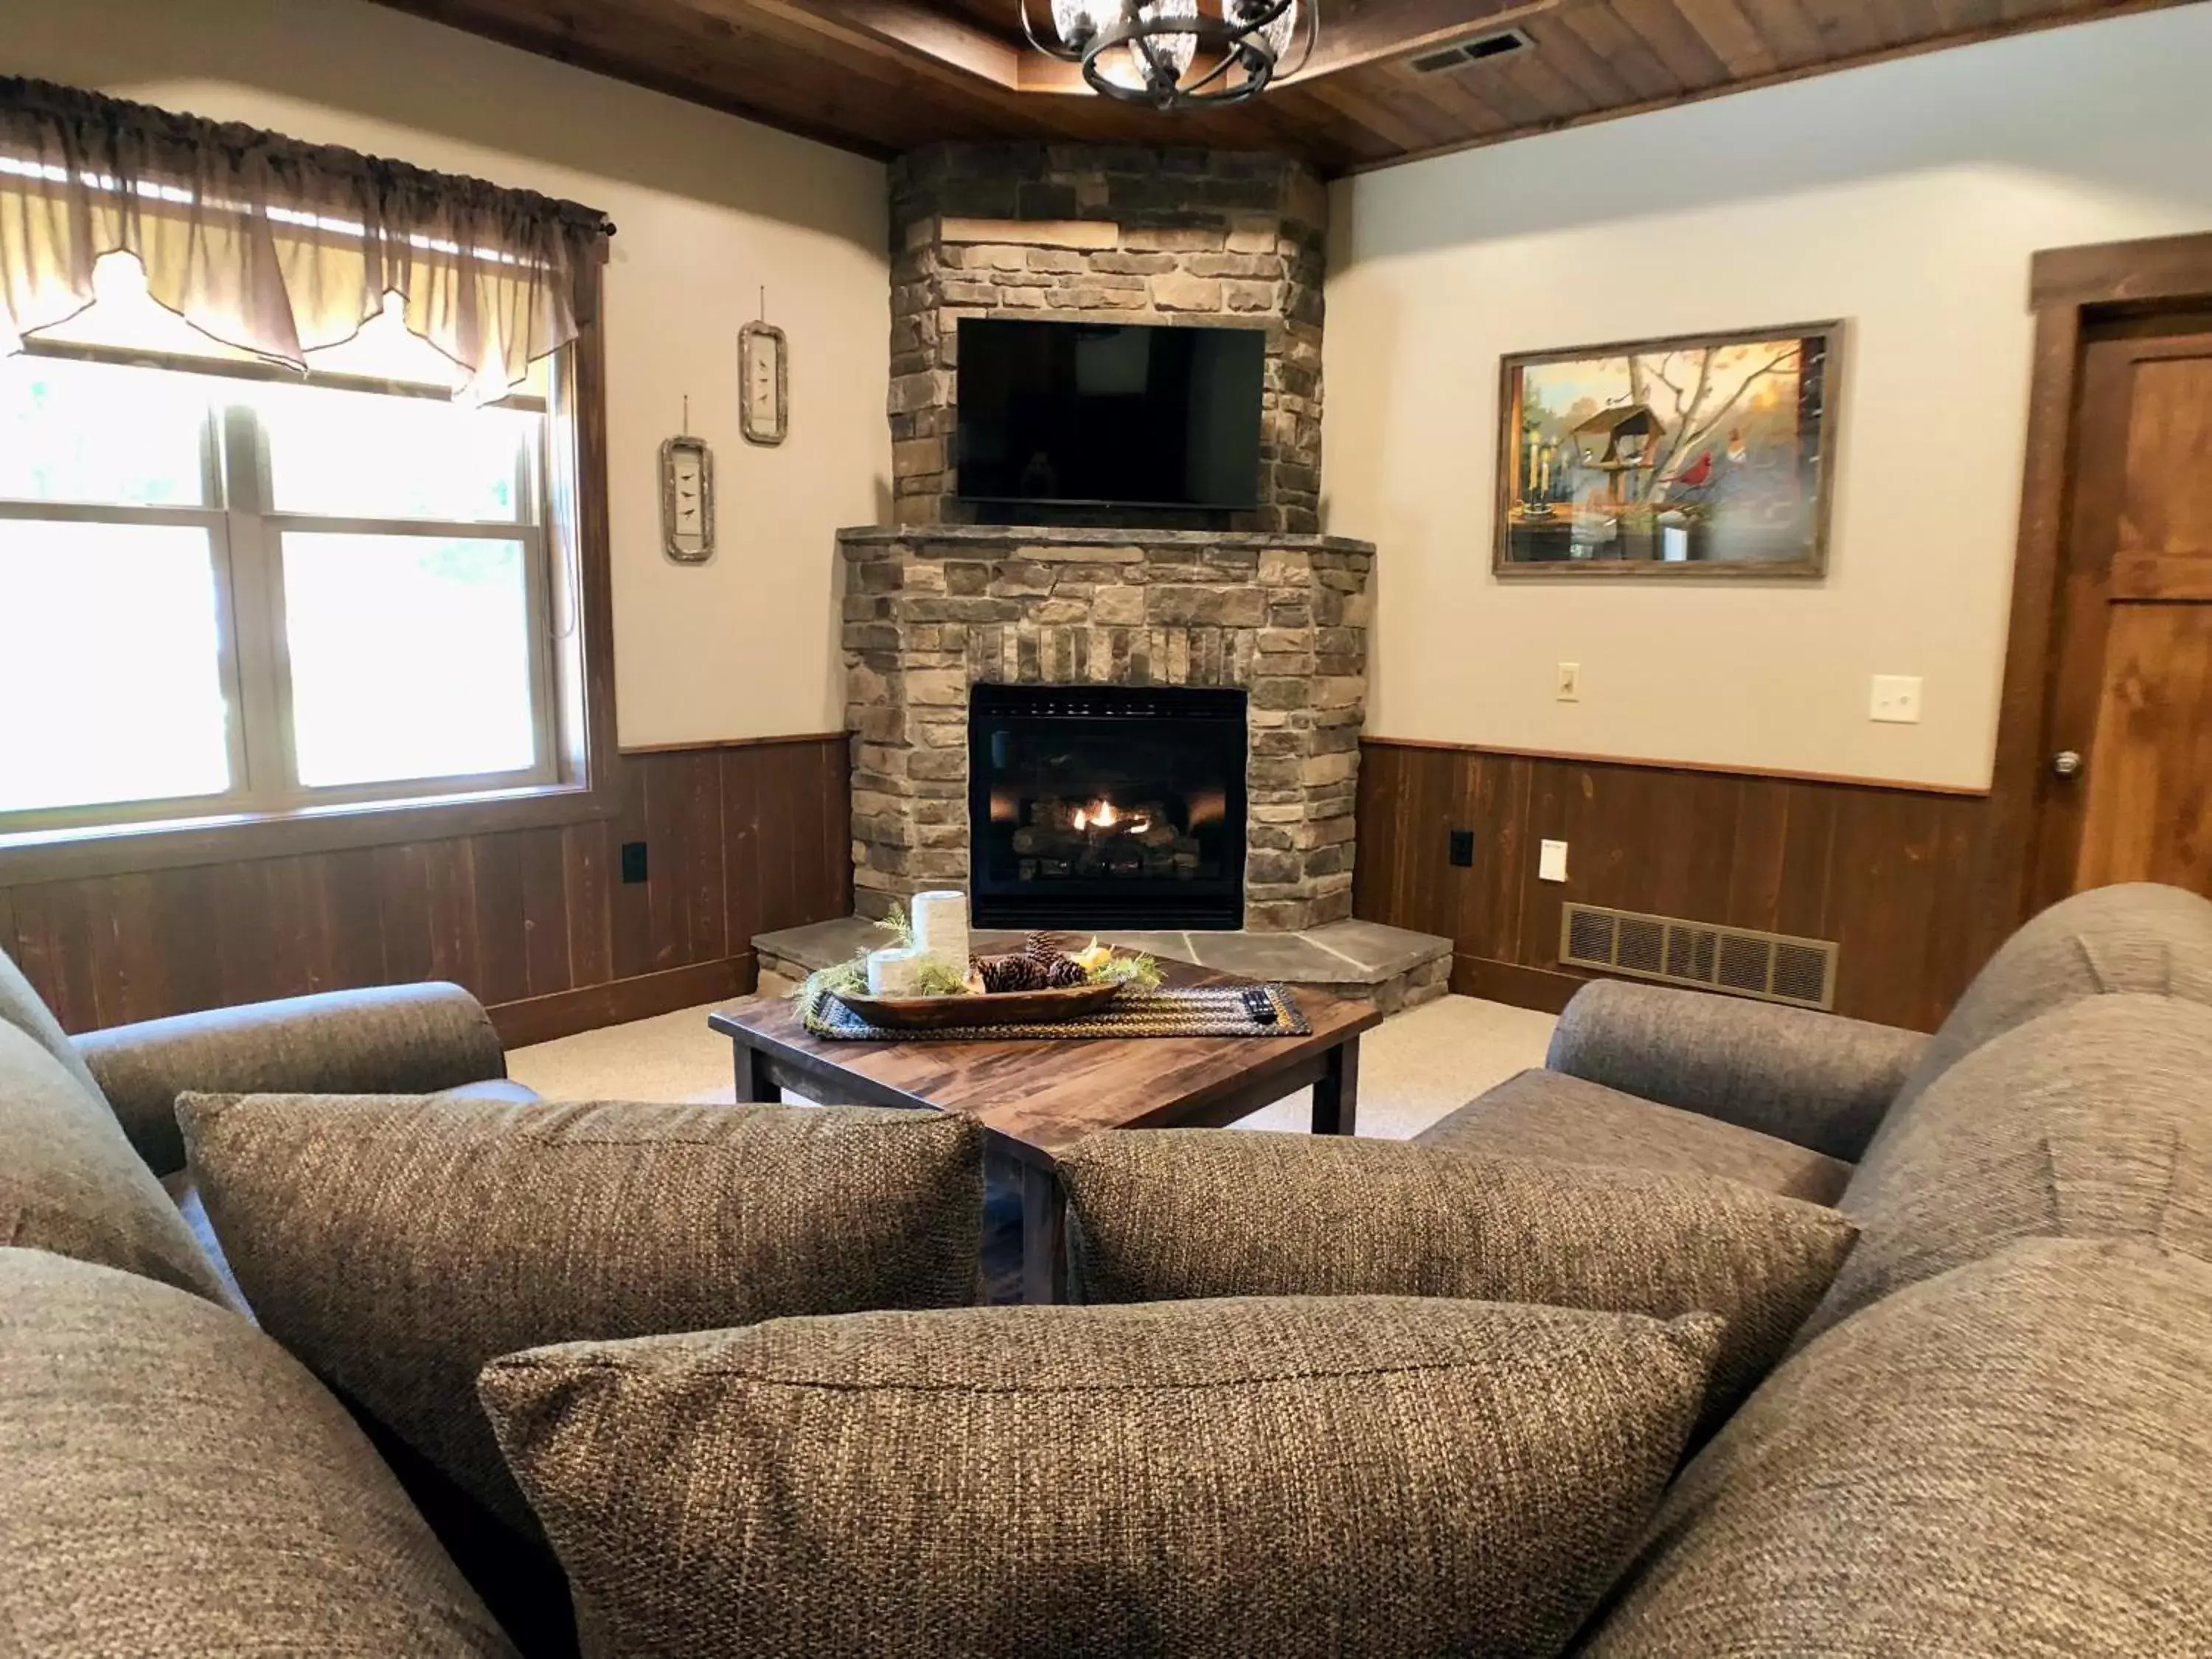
{"points": [[1108, 415]]}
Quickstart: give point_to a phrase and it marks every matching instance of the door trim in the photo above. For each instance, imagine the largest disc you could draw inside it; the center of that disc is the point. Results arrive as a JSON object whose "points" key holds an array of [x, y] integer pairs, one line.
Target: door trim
{"points": [[2070, 289]]}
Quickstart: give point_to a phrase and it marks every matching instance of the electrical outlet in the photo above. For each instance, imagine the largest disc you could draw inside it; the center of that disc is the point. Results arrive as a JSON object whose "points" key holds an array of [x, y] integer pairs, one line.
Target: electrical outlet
{"points": [[1462, 848], [1551, 861], [633, 862], [1896, 699], [1570, 682]]}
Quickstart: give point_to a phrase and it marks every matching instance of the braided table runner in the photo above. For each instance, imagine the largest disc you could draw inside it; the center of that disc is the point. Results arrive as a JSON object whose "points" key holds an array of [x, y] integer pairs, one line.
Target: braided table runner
{"points": [[1176, 1011]]}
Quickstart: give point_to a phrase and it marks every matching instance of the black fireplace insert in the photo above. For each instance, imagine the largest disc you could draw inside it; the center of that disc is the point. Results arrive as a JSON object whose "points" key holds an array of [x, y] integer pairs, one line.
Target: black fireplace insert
{"points": [[1104, 806]]}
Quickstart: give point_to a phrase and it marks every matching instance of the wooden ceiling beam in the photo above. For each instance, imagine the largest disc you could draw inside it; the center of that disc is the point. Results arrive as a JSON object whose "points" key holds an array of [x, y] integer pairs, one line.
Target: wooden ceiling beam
{"points": [[946, 42], [933, 40]]}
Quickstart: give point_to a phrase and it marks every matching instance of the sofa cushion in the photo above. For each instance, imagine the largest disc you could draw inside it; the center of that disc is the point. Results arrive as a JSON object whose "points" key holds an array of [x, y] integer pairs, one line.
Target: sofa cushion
{"points": [[177, 1484], [396, 1243], [2093, 1121], [1350, 1475], [2136, 938], [70, 1183], [2006, 1461], [1550, 1115], [1166, 1214]]}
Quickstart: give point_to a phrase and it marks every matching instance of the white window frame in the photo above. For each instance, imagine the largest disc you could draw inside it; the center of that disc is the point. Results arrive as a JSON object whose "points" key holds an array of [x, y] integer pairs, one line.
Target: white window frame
{"points": [[246, 540]]}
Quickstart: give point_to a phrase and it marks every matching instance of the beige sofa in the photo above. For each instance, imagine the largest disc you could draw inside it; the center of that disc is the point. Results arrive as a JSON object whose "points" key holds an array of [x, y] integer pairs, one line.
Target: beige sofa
{"points": [[1990, 1440]]}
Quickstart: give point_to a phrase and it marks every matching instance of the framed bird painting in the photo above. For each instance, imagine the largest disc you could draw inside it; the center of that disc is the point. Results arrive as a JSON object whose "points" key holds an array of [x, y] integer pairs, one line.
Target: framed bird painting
{"points": [[1705, 455]]}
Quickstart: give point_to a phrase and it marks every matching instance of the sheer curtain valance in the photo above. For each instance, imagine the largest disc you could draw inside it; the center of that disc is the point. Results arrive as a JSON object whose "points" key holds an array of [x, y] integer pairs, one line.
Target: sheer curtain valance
{"points": [[278, 247]]}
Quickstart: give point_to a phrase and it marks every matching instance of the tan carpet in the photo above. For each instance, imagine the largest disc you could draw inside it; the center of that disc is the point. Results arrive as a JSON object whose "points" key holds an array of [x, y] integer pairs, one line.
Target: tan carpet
{"points": [[1414, 1069]]}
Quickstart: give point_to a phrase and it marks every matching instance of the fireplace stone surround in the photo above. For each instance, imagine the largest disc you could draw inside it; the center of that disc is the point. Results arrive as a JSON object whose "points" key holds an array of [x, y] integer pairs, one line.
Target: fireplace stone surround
{"points": [[1105, 234], [930, 611]]}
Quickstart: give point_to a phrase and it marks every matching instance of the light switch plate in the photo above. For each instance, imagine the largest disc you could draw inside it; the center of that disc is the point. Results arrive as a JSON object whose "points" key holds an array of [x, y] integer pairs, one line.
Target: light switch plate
{"points": [[1551, 861], [1570, 682], [1896, 699]]}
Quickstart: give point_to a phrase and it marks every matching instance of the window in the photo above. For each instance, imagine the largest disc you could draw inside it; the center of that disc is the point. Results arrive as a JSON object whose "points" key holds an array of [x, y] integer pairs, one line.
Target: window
{"points": [[226, 590]]}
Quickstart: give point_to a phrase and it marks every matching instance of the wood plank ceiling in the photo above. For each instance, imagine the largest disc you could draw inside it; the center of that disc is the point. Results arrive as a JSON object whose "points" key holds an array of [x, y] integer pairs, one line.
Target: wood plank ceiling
{"points": [[883, 76]]}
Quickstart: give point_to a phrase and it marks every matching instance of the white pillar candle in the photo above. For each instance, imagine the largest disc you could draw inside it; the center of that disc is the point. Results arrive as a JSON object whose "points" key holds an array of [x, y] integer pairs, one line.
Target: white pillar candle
{"points": [[941, 927], [895, 971]]}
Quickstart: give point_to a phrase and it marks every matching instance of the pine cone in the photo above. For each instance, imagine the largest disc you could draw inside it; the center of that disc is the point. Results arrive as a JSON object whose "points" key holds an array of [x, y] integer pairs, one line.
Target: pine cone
{"points": [[1066, 973], [1037, 948], [1010, 974]]}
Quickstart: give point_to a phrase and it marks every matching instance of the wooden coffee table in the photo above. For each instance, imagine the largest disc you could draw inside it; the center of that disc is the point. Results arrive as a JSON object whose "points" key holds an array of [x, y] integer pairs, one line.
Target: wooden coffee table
{"points": [[1036, 1098]]}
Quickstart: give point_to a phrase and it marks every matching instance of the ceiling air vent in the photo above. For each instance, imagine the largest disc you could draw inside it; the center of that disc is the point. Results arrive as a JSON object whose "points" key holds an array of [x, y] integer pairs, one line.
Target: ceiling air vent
{"points": [[1772, 967], [1499, 42]]}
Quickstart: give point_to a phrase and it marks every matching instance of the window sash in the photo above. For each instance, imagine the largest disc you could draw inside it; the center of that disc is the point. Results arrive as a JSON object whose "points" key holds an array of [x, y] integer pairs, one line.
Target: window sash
{"points": [[246, 540]]}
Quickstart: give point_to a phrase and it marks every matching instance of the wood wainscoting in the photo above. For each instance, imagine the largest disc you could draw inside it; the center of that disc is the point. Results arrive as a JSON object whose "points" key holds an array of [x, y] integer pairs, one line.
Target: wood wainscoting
{"points": [[1912, 883], [538, 923]]}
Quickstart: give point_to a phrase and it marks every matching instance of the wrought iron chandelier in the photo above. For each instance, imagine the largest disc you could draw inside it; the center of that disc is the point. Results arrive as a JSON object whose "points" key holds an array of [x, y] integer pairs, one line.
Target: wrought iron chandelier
{"points": [[1178, 54]]}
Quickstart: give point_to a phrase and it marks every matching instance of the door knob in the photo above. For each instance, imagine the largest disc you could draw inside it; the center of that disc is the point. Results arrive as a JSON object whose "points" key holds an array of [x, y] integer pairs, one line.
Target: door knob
{"points": [[2067, 762]]}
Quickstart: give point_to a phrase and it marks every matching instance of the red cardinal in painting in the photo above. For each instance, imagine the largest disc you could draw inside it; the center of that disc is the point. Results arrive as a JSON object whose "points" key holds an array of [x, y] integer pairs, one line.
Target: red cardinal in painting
{"points": [[1698, 471]]}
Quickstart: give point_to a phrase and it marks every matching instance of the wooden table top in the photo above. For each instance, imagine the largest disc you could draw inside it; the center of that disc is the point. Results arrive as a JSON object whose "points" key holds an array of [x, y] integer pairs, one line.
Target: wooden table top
{"points": [[1050, 1094]]}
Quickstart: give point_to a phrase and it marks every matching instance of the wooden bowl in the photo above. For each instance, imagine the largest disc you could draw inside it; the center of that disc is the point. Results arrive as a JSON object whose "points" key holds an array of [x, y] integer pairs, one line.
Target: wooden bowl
{"points": [[985, 1008]]}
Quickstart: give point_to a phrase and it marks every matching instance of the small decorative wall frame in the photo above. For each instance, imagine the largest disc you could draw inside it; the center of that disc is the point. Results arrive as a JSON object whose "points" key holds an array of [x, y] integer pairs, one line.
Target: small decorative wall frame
{"points": [[1706, 455], [687, 499], [763, 383]]}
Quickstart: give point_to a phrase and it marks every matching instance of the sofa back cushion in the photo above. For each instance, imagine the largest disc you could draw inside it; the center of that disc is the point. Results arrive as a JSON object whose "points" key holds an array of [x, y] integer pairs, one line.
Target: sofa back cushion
{"points": [[2138, 938], [1166, 1214], [396, 1243], [1354, 1475], [2006, 1461], [2092, 1122], [70, 1183], [177, 1484]]}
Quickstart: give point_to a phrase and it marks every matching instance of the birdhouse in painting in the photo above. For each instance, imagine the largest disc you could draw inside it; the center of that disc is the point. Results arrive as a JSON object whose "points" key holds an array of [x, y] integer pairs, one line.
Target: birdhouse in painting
{"points": [[1616, 440], [1619, 443]]}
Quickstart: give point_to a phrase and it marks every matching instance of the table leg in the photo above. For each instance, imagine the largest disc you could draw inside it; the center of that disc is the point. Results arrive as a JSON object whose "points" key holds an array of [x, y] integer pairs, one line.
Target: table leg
{"points": [[753, 1084], [1336, 1097], [1044, 1235]]}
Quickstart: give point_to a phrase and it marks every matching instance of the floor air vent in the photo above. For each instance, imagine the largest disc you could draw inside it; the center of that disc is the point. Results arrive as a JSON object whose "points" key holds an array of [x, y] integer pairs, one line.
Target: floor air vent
{"points": [[1499, 42], [1770, 966]]}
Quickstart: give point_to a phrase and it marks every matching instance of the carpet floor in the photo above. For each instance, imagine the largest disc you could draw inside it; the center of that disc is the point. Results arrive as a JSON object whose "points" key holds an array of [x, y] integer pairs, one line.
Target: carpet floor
{"points": [[1414, 1069]]}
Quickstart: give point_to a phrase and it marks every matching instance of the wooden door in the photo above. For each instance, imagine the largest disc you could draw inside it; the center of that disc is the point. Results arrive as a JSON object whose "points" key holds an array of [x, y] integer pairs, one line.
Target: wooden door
{"points": [[2128, 794]]}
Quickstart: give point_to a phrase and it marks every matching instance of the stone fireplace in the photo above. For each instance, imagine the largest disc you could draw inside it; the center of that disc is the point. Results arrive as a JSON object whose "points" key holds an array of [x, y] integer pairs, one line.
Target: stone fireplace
{"points": [[930, 614], [1166, 705]]}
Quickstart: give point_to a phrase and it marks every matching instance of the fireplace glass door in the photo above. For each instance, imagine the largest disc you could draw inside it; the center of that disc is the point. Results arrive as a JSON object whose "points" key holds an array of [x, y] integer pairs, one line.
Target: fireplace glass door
{"points": [[1106, 806]]}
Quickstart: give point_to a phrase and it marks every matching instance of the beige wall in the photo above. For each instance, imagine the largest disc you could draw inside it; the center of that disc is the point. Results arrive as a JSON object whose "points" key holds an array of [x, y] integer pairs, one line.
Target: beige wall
{"points": [[1907, 198], [708, 210]]}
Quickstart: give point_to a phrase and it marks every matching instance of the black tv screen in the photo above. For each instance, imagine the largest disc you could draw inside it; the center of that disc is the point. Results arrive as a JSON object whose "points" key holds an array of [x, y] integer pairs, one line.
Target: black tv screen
{"points": [[1110, 414]]}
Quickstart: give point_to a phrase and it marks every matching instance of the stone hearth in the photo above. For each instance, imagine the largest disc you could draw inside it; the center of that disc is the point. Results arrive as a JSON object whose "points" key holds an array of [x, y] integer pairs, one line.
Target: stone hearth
{"points": [[930, 612]]}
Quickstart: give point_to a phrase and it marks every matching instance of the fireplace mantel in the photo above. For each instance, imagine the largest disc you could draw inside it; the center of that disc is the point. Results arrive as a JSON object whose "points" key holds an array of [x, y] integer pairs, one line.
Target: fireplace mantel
{"points": [[930, 611]]}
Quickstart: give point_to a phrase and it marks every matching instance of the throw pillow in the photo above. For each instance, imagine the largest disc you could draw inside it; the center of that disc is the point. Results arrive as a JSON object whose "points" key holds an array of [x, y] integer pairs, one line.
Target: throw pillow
{"points": [[177, 1484], [396, 1243], [70, 1183], [1351, 1476], [1168, 1214]]}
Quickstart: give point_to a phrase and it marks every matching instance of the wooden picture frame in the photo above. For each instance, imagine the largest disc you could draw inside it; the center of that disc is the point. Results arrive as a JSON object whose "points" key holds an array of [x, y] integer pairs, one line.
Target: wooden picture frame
{"points": [[1694, 455]]}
